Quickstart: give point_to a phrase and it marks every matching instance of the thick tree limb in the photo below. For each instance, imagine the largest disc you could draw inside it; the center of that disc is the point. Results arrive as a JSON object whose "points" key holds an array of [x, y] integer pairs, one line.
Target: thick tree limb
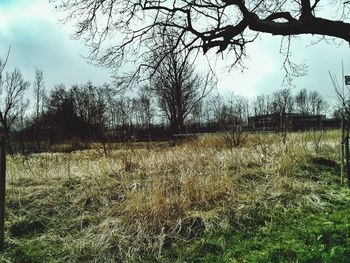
{"points": [[207, 24], [313, 26], [285, 15]]}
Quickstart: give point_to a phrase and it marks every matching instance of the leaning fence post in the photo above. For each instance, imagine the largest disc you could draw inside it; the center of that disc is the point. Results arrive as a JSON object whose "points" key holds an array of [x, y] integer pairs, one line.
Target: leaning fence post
{"points": [[2, 187]]}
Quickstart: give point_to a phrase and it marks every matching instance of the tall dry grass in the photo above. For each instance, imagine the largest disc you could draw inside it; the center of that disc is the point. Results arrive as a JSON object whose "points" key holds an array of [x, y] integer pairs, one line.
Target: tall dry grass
{"points": [[137, 202]]}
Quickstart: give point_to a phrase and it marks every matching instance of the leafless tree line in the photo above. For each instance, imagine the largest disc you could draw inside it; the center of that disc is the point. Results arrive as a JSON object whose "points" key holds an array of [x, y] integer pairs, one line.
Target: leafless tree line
{"points": [[98, 113], [175, 99]]}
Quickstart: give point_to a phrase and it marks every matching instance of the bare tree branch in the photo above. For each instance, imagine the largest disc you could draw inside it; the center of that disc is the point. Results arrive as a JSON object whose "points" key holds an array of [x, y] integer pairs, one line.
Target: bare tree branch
{"points": [[119, 30]]}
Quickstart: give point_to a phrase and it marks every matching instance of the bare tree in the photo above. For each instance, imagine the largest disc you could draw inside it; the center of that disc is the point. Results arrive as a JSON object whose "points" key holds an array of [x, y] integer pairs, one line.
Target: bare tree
{"points": [[226, 25], [282, 104], [145, 108], [12, 99], [90, 104], [302, 102], [216, 106], [178, 88], [39, 92], [241, 109], [2, 66], [318, 105], [261, 105], [310, 102], [121, 115], [234, 134], [197, 114]]}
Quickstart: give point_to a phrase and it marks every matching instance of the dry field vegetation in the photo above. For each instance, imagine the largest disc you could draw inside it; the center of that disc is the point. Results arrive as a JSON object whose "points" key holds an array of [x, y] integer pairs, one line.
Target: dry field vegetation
{"points": [[137, 202]]}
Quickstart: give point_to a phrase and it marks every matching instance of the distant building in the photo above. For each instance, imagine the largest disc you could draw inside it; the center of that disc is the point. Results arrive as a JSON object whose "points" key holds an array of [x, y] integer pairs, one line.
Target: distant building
{"points": [[290, 122]]}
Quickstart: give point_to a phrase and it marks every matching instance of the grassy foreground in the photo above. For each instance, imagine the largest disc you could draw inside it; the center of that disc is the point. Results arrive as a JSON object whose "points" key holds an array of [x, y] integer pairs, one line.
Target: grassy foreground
{"points": [[270, 200], [291, 235]]}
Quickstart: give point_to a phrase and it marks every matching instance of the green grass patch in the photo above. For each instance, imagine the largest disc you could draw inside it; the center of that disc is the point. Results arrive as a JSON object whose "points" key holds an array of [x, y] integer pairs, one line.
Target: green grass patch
{"points": [[294, 235]]}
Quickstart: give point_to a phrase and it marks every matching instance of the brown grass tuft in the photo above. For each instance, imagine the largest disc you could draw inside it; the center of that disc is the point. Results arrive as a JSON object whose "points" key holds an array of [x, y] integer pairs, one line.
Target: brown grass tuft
{"points": [[134, 203]]}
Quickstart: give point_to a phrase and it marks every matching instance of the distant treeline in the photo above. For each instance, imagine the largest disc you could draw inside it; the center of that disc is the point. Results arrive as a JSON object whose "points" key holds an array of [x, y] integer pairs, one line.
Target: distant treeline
{"points": [[88, 113], [175, 99]]}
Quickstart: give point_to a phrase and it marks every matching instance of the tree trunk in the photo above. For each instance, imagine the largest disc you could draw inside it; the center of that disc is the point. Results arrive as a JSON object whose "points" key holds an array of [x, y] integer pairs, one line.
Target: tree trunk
{"points": [[180, 125], [2, 189]]}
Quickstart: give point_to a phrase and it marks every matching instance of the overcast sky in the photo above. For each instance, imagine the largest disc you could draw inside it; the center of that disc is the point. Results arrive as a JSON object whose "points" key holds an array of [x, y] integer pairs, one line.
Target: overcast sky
{"points": [[38, 40]]}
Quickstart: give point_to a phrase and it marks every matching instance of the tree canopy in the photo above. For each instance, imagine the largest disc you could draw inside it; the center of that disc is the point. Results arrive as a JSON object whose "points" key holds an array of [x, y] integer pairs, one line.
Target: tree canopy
{"points": [[114, 29]]}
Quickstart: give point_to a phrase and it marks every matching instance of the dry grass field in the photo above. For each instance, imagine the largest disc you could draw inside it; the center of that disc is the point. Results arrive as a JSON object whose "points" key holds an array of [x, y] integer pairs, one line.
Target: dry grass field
{"points": [[137, 202]]}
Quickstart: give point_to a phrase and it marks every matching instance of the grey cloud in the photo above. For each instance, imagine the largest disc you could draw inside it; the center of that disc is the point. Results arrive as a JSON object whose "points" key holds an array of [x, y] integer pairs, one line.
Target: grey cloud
{"points": [[43, 44]]}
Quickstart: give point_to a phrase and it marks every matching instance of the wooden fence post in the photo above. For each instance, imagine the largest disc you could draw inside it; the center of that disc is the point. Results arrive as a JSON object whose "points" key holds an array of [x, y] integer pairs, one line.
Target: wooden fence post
{"points": [[2, 188], [347, 150], [342, 150]]}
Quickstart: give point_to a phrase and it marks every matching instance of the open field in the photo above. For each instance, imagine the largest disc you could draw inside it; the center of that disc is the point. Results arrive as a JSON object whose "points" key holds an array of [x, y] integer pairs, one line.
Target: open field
{"points": [[179, 203]]}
